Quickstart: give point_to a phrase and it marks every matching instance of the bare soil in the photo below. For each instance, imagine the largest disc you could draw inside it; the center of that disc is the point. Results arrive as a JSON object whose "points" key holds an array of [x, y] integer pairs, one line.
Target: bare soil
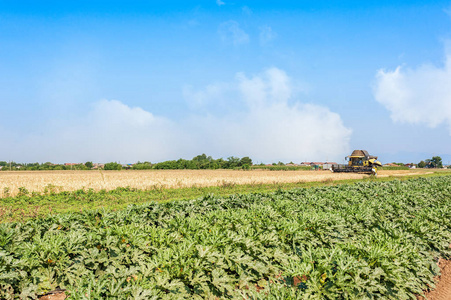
{"points": [[54, 295], [442, 289]]}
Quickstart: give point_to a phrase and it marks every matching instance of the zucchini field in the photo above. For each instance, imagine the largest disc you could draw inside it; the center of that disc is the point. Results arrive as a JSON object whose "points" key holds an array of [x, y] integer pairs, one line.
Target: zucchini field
{"points": [[369, 240]]}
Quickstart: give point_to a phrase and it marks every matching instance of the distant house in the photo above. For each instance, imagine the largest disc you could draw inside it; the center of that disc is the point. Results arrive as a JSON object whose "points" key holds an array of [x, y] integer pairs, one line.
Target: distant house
{"points": [[70, 164], [98, 166], [411, 166]]}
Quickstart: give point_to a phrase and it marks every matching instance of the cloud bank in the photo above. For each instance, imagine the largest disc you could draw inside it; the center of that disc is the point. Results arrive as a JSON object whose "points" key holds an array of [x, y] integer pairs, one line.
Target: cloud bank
{"points": [[267, 127], [261, 123], [109, 131], [417, 96]]}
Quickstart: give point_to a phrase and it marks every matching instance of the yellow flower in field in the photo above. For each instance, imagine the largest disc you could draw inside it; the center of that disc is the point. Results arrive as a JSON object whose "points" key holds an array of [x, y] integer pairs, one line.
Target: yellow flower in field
{"points": [[59, 227]]}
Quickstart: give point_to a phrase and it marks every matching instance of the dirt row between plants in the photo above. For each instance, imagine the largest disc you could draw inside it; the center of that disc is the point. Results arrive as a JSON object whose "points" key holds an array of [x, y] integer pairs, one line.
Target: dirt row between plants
{"points": [[442, 289]]}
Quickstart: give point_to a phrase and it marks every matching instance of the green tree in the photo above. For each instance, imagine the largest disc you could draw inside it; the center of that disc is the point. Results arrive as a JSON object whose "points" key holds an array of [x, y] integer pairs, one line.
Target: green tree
{"points": [[233, 162], [434, 162], [142, 166], [89, 164], [112, 166], [246, 161], [437, 161], [421, 164], [202, 158]]}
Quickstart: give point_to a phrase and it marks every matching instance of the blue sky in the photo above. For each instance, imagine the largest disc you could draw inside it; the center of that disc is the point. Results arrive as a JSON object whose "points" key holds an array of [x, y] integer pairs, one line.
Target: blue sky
{"points": [[275, 80]]}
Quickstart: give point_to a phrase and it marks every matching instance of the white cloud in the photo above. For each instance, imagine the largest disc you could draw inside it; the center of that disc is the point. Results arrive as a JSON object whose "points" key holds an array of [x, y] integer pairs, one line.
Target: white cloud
{"points": [[219, 2], [230, 32], [266, 35], [200, 98], [269, 129], [417, 96], [260, 123], [110, 131]]}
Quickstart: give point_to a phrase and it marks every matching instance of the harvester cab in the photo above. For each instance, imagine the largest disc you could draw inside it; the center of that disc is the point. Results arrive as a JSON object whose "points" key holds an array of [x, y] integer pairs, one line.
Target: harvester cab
{"points": [[359, 162]]}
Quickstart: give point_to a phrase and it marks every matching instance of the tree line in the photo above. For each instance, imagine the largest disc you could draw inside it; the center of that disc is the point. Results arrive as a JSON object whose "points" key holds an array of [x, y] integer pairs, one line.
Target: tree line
{"points": [[199, 162], [5, 166]]}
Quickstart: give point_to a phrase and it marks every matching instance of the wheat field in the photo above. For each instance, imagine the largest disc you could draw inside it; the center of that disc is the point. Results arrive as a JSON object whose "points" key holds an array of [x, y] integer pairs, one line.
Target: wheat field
{"points": [[39, 181]]}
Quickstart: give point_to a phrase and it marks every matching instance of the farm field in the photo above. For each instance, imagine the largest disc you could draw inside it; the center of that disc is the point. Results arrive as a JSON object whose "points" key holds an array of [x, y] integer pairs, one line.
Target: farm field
{"points": [[57, 181], [25, 204], [370, 239]]}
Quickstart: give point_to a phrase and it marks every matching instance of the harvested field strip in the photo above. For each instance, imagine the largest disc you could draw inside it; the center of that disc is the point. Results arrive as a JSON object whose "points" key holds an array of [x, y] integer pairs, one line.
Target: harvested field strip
{"points": [[369, 239], [11, 183]]}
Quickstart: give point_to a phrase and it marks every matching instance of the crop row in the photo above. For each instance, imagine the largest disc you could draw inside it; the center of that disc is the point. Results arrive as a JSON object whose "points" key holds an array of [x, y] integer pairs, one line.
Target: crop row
{"points": [[363, 241]]}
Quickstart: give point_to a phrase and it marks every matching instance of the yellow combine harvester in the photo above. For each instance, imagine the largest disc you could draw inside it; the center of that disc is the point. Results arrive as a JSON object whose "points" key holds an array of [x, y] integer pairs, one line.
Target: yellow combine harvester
{"points": [[359, 162]]}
